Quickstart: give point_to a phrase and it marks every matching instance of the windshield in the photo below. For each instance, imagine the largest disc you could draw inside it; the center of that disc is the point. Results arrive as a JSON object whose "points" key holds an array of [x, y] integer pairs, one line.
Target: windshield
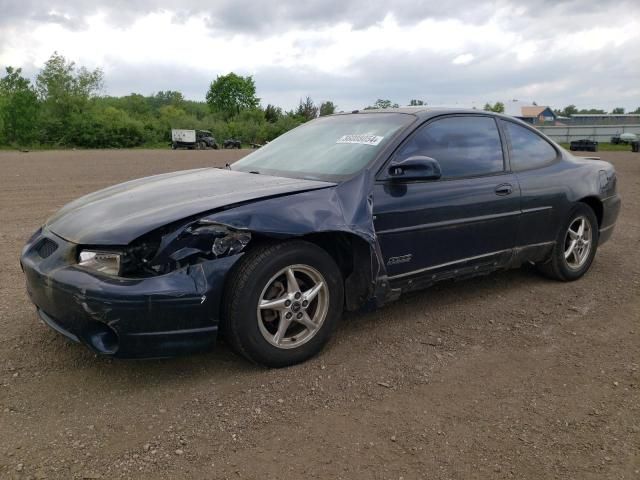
{"points": [[328, 148]]}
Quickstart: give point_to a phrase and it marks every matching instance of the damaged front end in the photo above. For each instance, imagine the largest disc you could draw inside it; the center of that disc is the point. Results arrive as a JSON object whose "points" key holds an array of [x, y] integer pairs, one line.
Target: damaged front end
{"points": [[159, 296], [161, 293], [167, 250]]}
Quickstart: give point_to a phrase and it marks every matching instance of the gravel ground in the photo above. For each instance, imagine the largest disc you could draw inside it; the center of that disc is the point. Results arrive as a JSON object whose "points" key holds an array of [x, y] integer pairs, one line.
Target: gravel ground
{"points": [[507, 376]]}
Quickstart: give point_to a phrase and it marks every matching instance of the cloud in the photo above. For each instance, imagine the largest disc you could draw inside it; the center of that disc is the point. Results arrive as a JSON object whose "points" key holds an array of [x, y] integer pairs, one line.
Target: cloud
{"points": [[249, 16], [463, 59], [348, 51]]}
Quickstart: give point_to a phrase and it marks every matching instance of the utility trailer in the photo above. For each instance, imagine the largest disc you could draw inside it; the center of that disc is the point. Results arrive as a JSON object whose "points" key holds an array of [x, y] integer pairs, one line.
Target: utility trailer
{"points": [[192, 139]]}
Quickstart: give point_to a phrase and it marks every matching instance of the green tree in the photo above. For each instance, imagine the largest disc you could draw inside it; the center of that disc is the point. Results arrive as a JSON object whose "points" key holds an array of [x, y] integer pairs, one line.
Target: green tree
{"points": [[382, 103], [18, 108], [65, 92], [416, 103], [327, 108], [592, 111], [170, 97], [59, 79], [272, 113], [229, 94], [307, 110], [617, 111], [569, 110], [637, 110], [136, 104], [497, 107]]}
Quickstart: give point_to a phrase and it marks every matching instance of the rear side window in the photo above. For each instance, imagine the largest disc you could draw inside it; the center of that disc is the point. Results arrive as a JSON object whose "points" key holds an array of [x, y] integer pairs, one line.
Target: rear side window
{"points": [[528, 150], [463, 146]]}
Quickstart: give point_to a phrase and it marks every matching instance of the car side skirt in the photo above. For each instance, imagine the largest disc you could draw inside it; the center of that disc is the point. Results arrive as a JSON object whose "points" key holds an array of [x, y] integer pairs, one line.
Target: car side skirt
{"points": [[467, 268]]}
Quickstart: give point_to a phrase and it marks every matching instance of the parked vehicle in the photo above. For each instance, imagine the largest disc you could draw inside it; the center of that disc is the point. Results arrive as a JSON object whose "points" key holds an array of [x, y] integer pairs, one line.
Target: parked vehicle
{"points": [[584, 145], [232, 143], [193, 139], [624, 138], [344, 212]]}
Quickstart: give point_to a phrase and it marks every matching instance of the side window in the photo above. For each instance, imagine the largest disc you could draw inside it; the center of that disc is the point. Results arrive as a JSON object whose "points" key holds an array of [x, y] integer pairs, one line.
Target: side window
{"points": [[464, 146], [528, 150]]}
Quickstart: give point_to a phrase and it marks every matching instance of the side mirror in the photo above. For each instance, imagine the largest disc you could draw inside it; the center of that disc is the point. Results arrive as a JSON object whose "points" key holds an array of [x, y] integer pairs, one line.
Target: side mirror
{"points": [[417, 167]]}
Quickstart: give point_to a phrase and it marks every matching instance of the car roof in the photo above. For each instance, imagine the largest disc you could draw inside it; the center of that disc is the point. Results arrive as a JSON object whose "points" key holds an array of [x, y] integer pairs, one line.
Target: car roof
{"points": [[424, 112]]}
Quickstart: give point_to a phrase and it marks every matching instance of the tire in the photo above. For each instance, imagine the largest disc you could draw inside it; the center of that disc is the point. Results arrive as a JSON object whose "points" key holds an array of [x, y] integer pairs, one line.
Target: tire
{"points": [[260, 335], [567, 269]]}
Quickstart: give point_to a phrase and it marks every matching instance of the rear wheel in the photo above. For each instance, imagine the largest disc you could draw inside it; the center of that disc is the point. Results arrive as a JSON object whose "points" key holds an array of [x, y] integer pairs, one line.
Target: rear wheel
{"points": [[575, 247], [282, 303]]}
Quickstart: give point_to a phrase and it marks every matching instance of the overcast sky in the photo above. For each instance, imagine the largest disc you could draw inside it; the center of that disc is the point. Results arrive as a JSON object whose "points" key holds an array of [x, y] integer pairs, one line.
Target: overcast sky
{"points": [[554, 52]]}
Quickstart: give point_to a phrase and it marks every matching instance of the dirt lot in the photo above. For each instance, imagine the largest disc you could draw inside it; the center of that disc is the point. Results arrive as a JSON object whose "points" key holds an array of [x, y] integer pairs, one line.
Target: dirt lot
{"points": [[509, 376]]}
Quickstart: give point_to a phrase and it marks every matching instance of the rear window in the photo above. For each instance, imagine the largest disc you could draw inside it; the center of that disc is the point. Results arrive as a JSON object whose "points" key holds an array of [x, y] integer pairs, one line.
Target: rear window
{"points": [[528, 150]]}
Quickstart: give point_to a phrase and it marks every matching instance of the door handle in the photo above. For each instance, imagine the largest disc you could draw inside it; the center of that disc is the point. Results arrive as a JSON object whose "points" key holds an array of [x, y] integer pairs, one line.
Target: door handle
{"points": [[504, 189]]}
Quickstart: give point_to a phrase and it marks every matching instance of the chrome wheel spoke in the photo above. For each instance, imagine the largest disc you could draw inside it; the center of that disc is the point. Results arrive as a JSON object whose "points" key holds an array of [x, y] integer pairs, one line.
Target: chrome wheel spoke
{"points": [[283, 326], [292, 282], [312, 293], [307, 322], [274, 304], [577, 255], [571, 249]]}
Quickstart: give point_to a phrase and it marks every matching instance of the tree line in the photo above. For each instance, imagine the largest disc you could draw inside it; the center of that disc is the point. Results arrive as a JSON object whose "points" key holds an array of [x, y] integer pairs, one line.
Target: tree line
{"points": [[66, 107], [573, 110]]}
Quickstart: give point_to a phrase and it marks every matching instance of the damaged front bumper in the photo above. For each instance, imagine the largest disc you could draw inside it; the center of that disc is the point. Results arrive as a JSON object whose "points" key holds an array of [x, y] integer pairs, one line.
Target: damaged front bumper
{"points": [[156, 316]]}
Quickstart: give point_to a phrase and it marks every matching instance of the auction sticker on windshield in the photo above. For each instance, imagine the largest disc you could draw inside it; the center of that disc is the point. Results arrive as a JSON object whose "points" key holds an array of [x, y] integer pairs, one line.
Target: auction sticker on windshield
{"points": [[365, 139]]}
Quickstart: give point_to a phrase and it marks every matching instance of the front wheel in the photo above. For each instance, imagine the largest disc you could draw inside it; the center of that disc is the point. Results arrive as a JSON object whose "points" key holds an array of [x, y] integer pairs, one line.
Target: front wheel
{"points": [[282, 303], [575, 246]]}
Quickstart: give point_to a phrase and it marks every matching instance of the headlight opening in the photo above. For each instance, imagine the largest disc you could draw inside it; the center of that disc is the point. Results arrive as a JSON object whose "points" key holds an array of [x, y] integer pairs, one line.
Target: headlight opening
{"points": [[160, 254], [104, 262]]}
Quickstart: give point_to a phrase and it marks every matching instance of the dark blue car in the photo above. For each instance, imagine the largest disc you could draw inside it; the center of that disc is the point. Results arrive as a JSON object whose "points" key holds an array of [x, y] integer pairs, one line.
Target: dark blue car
{"points": [[344, 212]]}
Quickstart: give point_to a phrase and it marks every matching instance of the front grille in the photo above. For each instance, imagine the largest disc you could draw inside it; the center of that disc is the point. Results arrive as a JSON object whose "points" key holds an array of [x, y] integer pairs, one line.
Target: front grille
{"points": [[46, 247]]}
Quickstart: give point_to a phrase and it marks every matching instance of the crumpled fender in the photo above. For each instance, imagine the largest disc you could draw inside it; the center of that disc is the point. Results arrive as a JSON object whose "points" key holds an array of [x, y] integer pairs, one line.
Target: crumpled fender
{"points": [[346, 207]]}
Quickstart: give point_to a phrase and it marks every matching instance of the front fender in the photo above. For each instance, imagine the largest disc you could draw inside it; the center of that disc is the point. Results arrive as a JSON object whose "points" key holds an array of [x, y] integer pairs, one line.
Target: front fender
{"points": [[346, 207]]}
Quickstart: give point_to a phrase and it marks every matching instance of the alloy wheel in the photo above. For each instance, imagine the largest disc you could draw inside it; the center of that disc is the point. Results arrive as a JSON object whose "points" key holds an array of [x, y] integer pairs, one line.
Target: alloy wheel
{"points": [[293, 306], [578, 243]]}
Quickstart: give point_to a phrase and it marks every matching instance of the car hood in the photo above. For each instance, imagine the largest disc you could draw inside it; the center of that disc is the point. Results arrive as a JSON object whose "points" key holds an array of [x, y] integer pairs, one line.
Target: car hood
{"points": [[119, 214]]}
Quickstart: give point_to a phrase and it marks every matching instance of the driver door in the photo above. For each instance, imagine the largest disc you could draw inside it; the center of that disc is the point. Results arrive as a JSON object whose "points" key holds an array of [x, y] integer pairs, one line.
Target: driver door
{"points": [[467, 219]]}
